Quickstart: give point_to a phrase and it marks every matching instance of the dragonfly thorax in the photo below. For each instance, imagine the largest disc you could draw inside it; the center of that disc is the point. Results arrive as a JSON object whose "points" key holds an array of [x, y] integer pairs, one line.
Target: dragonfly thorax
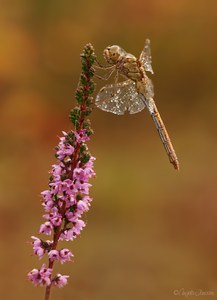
{"points": [[113, 53]]}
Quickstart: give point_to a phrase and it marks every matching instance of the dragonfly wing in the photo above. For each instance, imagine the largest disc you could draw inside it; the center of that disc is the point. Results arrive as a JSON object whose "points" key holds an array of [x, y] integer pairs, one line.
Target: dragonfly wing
{"points": [[135, 103], [119, 98], [164, 136], [145, 57], [149, 90]]}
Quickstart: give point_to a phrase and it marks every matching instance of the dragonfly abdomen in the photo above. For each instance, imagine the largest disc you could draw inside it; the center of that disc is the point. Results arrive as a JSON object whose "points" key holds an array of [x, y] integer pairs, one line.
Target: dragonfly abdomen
{"points": [[164, 136]]}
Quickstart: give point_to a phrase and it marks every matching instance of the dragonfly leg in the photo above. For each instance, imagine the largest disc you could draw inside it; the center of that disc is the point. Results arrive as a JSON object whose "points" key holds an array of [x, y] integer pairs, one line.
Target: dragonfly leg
{"points": [[98, 65], [106, 76], [115, 85]]}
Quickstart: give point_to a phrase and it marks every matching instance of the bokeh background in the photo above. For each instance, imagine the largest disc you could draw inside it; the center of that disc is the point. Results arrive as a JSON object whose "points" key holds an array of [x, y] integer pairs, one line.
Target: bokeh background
{"points": [[151, 230]]}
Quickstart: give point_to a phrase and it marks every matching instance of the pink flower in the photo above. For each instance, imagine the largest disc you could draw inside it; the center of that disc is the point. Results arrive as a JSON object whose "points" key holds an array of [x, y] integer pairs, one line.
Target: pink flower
{"points": [[89, 172], [36, 243], [71, 217], [41, 276], [37, 247], [46, 228], [54, 217], [78, 174], [64, 149], [82, 206], [89, 164], [70, 200], [47, 195], [48, 201], [87, 200], [81, 136], [65, 255], [62, 186], [67, 235], [60, 280], [82, 187], [83, 174], [57, 171], [48, 205], [53, 255], [79, 225], [40, 247]]}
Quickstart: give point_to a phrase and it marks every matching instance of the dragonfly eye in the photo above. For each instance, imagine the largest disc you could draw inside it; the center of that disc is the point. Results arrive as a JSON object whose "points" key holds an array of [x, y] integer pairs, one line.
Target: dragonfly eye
{"points": [[111, 54]]}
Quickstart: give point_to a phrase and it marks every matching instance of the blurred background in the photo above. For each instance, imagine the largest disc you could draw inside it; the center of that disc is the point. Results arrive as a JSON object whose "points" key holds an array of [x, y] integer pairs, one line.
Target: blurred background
{"points": [[151, 230]]}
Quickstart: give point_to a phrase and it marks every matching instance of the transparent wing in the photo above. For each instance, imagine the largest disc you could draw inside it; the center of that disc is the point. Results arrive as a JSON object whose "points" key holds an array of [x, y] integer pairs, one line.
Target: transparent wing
{"points": [[145, 57], [119, 98], [149, 88]]}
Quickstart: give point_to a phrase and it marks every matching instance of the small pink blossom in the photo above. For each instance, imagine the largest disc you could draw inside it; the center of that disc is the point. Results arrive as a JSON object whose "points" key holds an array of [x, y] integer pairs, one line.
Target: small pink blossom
{"points": [[87, 200], [40, 247], [53, 255], [70, 200], [81, 136], [71, 217], [41, 276], [82, 187], [59, 186], [47, 195], [65, 255], [82, 206], [46, 228], [54, 217], [89, 172], [67, 235], [57, 171], [37, 247], [48, 205], [79, 174], [60, 280], [89, 164], [78, 226], [64, 150]]}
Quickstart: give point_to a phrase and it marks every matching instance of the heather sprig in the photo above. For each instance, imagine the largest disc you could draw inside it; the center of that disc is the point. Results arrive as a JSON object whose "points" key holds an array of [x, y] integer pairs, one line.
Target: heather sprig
{"points": [[67, 197]]}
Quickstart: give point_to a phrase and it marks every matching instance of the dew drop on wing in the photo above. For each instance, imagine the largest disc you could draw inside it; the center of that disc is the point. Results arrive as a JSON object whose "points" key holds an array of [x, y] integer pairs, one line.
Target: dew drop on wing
{"points": [[119, 98]]}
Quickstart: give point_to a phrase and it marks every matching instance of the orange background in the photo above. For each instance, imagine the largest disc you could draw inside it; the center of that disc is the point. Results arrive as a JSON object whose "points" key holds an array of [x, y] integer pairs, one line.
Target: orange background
{"points": [[151, 230]]}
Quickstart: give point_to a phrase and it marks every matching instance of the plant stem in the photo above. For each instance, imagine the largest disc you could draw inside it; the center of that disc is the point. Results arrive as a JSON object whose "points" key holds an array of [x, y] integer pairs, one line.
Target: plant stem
{"points": [[47, 292]]}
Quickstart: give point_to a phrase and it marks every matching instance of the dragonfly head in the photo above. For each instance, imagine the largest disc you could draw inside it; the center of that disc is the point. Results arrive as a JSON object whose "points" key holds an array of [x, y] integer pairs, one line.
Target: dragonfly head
{"points": [[112, 54]]}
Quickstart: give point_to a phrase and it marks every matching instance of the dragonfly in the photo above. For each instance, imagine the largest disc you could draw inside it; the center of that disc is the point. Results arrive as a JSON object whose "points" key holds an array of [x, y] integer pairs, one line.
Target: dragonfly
{"points": [[135, 93]]}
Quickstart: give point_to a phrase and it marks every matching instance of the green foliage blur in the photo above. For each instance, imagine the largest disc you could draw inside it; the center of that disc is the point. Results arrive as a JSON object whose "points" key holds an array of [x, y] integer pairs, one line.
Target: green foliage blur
{"points": [[151, 230]]}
